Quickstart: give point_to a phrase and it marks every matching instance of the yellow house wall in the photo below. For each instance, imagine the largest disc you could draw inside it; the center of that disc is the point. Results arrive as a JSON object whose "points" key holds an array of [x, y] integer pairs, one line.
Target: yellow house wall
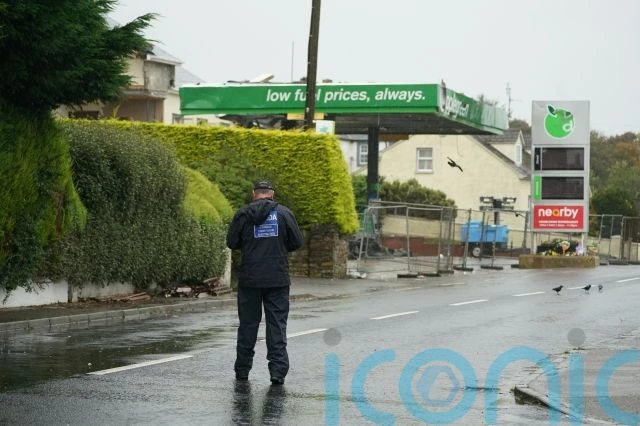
{"points": [[484, 173], [171, 106], [506, 149]]}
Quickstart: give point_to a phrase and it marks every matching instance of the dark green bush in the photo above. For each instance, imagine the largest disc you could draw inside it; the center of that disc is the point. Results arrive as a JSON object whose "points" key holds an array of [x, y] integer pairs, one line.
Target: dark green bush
{"points": [[38, 202], [411, 192], [138, 228]]}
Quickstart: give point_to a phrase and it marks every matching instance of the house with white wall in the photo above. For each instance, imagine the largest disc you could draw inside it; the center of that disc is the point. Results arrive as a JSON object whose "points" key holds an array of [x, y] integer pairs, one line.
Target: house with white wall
{"points": [[355, 149], [495, 166], [156, 76], [152, 96]]}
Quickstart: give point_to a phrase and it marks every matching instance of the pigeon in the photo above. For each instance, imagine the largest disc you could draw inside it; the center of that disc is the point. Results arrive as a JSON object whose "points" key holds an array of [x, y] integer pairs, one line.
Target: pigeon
{"points": [[600, 287], [557, 289], [586, 288], [453, 164]]}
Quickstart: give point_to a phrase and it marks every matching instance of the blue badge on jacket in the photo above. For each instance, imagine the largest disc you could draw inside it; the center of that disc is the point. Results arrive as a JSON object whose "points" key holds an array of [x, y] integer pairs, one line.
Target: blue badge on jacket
{"points": [[268, 228]]}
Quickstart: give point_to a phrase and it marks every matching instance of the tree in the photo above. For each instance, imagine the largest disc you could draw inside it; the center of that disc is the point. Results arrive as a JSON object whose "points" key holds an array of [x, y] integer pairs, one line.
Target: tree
{"points": [[359, 183], [64, 54], [614, 201], [51, 54], [411, 192], [624, 175], [517, 123], [626, 137], [614, 160], [483, 99]]}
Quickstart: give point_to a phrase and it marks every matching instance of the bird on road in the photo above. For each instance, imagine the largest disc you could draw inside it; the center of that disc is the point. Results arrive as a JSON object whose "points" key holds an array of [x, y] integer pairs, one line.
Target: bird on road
{"points": [[586, 288], [453, 164], [557, 289], [600, 287]]}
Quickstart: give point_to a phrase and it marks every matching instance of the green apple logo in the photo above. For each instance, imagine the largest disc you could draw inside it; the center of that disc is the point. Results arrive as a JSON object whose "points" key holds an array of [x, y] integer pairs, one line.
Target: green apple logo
{"points": [[558, 123]]}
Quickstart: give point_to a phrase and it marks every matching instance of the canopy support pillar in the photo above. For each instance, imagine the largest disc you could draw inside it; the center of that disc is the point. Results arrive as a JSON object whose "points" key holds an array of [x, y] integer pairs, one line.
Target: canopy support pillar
{"points": [[373, 185]]}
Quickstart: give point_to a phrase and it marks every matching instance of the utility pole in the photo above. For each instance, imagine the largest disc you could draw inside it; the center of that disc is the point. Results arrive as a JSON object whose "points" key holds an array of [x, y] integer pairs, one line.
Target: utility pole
{"points": [[312, 64]]}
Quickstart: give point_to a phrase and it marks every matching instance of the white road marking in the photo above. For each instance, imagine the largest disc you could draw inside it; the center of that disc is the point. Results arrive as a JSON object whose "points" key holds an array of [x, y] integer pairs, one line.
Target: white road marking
{"points": [[581, 287], [469, 302], [628, 279], [407, 288], [394, 315], [528, 294], [139, 365], [301, 333], [450, 284]]}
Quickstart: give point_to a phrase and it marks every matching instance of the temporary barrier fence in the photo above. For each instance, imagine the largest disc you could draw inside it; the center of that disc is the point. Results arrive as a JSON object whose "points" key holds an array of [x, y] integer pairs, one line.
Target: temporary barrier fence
{"points": [[404, 239]]}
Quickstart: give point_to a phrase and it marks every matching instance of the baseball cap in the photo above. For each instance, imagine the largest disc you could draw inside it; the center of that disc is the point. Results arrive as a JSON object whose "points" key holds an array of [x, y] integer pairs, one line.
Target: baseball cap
{"points": [[263, 184]]}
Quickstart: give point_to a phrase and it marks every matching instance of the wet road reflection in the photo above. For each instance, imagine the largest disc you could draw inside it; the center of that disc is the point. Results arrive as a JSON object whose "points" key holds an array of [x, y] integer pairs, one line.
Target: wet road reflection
{"points": [[244, 405], [28, 359]]}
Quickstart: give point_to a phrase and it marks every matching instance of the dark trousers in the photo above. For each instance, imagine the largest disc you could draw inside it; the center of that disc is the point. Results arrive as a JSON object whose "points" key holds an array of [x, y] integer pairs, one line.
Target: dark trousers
{"points": [[276, 309]]}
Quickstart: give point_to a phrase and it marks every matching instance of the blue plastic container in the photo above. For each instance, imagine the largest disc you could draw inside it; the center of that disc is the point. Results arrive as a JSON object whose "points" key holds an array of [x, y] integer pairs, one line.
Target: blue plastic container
{"points": [[474, 232]]}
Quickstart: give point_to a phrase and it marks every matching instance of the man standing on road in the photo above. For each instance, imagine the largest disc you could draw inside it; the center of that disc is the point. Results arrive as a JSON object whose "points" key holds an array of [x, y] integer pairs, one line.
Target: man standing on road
{"points": [[265, 232]]}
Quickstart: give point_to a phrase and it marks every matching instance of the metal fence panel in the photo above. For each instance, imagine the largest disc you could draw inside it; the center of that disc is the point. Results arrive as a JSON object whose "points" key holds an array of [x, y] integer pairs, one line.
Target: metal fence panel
{"points": [[403, 238], [397, 238]]}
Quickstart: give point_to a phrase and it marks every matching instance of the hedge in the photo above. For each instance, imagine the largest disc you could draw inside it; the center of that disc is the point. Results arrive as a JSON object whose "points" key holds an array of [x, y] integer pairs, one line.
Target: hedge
{"points": [[308, 170], [144, 224], [38, 202], [204, 199]]}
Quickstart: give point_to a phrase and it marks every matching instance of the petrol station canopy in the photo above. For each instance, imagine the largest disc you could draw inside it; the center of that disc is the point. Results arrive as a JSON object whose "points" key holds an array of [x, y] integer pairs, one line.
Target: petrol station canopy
{"points": [[355, 108]]}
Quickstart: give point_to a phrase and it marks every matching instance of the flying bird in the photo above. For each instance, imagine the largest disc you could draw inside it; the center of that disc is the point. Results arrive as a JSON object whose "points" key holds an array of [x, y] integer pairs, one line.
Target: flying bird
{"points": [[557, 289], [586, 288], [600, 287], [453, 164]]}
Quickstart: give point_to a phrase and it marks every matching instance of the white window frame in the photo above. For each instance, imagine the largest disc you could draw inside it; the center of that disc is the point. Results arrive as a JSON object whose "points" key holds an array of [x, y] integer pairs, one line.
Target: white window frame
{"points": [[518, 153], [177, 118], [424, 155], [363, 148]]}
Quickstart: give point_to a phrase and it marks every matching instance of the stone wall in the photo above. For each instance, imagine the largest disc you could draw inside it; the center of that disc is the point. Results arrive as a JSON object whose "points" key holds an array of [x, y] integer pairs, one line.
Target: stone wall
{"points": [[324, 254]]}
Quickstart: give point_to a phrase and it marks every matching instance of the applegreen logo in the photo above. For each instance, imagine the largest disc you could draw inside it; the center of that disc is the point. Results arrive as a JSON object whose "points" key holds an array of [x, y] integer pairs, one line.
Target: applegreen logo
{"points": [[559, 122]]}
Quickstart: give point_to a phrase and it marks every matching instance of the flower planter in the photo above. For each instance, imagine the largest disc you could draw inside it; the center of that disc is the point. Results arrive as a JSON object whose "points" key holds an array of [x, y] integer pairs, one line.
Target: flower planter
{"points": [[536, 261]]}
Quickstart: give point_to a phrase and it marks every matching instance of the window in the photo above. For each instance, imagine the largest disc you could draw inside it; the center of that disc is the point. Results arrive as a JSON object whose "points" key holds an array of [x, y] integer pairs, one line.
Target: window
{"points": [[424, 160], [518, 154], [363, 152]]}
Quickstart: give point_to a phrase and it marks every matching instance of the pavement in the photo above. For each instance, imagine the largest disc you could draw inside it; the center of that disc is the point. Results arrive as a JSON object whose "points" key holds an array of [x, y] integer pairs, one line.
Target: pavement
{"points": [[59, 316], [605, 378], [599, 385]]}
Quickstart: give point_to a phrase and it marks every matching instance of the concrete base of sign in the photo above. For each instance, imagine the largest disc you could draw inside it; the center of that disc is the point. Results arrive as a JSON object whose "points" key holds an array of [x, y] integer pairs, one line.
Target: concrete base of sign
{"points": [[536, 261]]}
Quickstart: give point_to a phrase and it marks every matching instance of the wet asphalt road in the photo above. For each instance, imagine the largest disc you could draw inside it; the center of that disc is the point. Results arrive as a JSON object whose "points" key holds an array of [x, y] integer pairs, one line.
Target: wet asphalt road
{"points": [[353, 360]]}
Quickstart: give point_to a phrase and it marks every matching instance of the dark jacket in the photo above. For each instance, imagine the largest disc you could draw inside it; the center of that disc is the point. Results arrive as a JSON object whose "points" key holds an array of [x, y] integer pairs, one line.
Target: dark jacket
{"points": [[265, 232]]}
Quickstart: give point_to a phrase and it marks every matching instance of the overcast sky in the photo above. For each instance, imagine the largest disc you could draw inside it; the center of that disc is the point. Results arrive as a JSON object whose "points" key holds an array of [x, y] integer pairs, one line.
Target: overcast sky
{"points": [[544, 49]]}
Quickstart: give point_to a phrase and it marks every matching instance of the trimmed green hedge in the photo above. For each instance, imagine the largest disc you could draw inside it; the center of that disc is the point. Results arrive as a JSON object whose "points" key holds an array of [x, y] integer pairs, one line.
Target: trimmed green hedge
{"points": [[308, 170], [144, 225], [38, 202], [204, 199]]}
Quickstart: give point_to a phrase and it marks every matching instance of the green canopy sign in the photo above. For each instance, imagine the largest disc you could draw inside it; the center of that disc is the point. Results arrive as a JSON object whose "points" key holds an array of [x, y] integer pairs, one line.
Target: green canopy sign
{"points": [[351, 99], [291, 98]]}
